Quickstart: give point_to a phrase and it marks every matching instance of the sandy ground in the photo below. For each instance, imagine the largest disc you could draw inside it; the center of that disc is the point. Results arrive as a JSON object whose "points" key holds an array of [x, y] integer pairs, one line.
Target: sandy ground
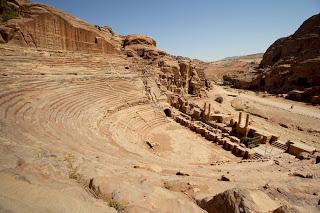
{"points": [[74, 133], [269, 113]]}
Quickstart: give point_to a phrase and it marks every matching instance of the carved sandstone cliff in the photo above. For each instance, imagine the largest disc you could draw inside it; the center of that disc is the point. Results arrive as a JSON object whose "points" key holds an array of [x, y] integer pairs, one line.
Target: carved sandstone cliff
{"points": [[178, 75], [41, 26]]}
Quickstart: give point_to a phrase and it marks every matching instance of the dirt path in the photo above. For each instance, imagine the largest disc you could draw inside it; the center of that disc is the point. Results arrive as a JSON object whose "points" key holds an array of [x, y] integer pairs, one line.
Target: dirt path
{"points": [[280, 103]]}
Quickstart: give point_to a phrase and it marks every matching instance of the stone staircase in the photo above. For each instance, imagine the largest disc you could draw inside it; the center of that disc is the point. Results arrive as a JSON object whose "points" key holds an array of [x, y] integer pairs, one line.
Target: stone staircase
{"points": [[280, 145], [257, 156]]}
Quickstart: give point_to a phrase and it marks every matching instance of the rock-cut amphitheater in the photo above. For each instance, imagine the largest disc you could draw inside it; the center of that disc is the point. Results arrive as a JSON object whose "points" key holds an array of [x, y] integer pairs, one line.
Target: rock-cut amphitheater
{"points": [[91, 121]]}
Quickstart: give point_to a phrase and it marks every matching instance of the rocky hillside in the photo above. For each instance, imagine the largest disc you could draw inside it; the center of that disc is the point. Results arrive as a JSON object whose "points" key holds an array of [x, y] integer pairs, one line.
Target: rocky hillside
{"points": [[292, 63], [250, 58], [43, 27], [236, 67], [289, 66]]}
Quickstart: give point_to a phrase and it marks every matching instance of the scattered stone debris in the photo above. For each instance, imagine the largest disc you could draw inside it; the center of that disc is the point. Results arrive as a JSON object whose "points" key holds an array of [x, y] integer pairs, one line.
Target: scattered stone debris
{"points": [[224, 178], [316, 155], [304, 156], [300, 128], [302, 175], [151, 145], [285, 209], [182, 174], [240, 201], [219, 99], [284, 125]]}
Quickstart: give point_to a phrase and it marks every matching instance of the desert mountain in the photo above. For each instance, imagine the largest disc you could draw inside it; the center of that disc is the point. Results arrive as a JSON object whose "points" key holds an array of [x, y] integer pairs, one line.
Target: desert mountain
{"points": [[232, 68]]}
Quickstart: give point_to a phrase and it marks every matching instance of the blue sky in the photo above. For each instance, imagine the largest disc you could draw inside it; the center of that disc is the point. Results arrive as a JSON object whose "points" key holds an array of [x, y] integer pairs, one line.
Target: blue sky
{"points": [[203, 29]]}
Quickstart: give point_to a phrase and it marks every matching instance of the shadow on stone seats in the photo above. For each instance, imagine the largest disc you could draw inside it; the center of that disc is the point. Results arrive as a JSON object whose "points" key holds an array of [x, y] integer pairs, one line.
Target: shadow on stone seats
{"points": [[167, 112]]}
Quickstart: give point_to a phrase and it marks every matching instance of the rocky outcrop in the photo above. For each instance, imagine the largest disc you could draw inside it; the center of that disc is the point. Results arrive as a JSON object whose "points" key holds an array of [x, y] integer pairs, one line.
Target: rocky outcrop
{"points": [[302, 45], [182, 77], [239, 201], [41, 26], [137, 197], [292, 63], [177, 74], [142, 46]]}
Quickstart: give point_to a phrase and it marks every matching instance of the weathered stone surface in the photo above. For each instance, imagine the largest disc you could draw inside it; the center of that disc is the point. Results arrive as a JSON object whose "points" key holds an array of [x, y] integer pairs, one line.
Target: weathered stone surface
{"points": [[182, 74], [301, 45], [304, 156], [292, 63], [20, 2], [141, 46], [42, 26], [134, 195], [289, 65], [285, 209], [239, 201], [139, 39]]}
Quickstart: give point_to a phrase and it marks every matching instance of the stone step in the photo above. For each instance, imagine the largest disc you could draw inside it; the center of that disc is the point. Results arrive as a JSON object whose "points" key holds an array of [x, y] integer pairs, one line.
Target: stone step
{"points": [[280, 145]]}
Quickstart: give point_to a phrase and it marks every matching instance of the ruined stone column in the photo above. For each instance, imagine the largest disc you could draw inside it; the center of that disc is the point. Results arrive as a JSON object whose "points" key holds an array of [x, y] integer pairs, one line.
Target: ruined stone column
{"points": [[203, 114], [208, 116], [239, 121], [247, 121], [170, 100]]}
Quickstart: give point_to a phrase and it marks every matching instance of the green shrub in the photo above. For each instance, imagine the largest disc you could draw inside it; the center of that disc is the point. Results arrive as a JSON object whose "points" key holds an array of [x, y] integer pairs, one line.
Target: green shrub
{"points": [[245, 141], [7, 11], [115, 204], [10, 14]]}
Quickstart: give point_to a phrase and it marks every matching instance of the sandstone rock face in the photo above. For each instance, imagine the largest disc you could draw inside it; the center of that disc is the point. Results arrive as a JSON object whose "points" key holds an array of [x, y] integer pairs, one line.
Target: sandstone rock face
{"points": [[142, 197], [42, 26], [142, 46], [177, 74], [239, 200], [302, 45], [139, 39], [182, 76], [292, 63]]}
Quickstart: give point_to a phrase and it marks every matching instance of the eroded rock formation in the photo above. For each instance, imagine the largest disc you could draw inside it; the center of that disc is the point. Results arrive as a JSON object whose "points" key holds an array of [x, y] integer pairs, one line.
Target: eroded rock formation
{"points": [[292, 63], [41, 26], [239, 200], [142, 46]]}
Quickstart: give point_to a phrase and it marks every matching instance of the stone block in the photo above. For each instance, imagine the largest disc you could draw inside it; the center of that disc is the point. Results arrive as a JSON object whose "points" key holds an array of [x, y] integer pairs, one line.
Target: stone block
{"points": [[196, 114], [220, 118], [296, 148], [234, 139]]}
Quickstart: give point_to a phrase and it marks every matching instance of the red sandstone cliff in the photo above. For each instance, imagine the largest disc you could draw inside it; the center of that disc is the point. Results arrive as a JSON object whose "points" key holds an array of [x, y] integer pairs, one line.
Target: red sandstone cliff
{"points": [[292, 64], [42, 26]]}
